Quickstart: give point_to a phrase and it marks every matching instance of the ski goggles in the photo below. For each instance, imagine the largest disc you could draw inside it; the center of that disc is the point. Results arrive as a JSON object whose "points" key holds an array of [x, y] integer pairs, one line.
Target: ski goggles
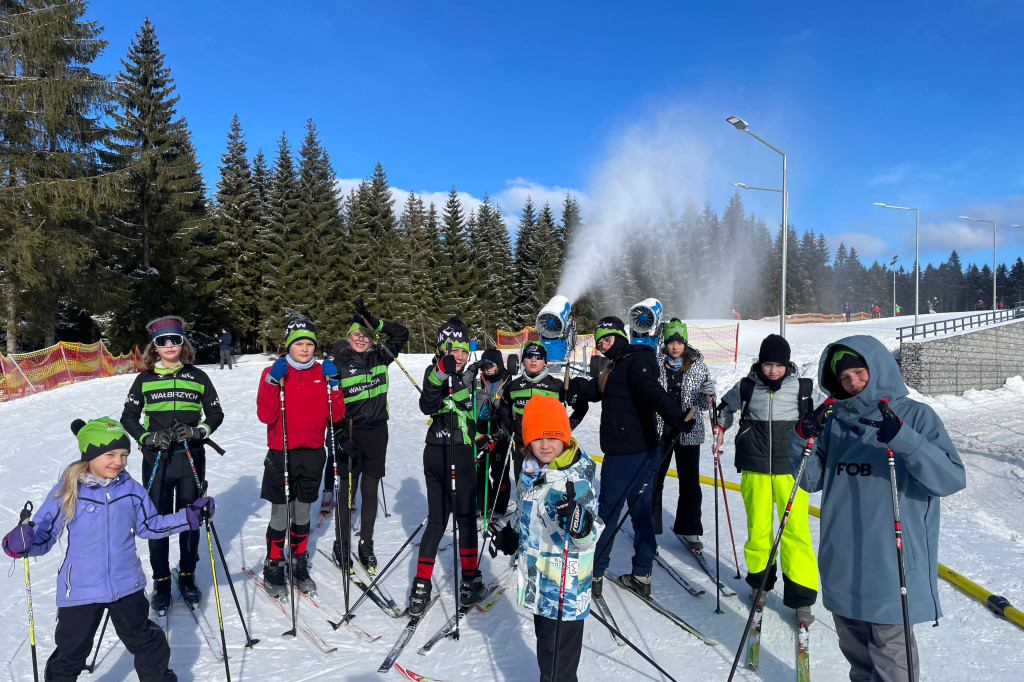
{"points": [[534, 353], [166, 340]]}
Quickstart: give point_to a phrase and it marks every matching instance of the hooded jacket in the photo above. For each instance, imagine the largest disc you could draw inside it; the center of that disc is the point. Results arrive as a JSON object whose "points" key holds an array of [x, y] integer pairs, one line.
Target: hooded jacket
{"points": [[857, 553], [101, 565], [631, 400], [541, 540], [689, 389], [762, 443]]}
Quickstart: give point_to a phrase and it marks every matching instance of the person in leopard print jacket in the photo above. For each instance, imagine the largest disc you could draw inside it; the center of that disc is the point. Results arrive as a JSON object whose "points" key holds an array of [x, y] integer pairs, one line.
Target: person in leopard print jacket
{"points": [[686, 378]]}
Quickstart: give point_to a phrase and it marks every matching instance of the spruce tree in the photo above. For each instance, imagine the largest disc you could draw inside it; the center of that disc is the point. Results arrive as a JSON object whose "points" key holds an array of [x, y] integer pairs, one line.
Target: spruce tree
{"points": [[237, 221], [162, 202], [384, 273], [548, 255], [526, 265], [495, 276], [455, 283], [53, 191], [282, 262], [420, 253], [322, 237]]}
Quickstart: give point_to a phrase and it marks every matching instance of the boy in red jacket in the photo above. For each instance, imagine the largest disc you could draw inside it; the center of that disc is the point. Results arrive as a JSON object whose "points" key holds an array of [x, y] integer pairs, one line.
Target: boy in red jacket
{"points": [[306, 386]]}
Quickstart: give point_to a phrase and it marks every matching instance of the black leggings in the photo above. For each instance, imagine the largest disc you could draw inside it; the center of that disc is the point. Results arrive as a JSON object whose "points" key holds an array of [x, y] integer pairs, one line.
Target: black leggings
{"points": [[437, 472], [688, 508], [174, 488], [366, 474]]}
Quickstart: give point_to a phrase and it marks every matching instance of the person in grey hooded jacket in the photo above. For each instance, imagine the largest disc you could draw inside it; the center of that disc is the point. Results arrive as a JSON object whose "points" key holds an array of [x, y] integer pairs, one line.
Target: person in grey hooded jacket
{"points": [[857, 553]]}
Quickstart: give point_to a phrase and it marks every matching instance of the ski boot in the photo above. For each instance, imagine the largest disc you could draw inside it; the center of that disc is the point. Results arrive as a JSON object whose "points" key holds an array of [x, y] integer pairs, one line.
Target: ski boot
{"points": [[367, 557], [419, 596], [161, 599], [804, 615], [641, 584], [693, 543], [300, 574], [326, 502], [273, 578], [189, 590], [338, 554], [471, 590], [596, 584]]}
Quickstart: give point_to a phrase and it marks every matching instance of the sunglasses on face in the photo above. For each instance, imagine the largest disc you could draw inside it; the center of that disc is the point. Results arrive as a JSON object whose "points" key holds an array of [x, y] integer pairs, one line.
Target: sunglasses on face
{"points": [[168, 340], [533, 354]]}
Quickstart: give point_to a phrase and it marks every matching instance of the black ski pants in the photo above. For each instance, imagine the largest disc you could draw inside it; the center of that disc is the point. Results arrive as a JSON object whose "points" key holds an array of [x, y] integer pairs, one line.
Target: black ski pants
{"points": [[174, 488], [76, 628], [690, 496], [366, 470], [569, 645], [437, 472]]}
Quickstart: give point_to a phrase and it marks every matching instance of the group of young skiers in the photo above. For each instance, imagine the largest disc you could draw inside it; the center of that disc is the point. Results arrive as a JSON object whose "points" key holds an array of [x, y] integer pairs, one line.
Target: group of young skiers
{"points": [[858, 438]]}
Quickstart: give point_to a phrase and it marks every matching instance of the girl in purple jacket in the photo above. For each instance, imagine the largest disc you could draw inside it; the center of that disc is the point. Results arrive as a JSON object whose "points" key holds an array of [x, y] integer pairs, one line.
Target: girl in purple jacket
{"points": [[103, 510]]}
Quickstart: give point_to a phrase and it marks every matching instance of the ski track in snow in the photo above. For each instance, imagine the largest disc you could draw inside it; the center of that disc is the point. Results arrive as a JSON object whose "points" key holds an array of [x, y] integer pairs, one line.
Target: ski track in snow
{"points": [[982, 538]]}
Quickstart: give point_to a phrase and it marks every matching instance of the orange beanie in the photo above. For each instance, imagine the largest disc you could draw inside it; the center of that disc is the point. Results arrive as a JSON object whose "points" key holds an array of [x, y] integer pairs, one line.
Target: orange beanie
{"points": [[545, 417]]}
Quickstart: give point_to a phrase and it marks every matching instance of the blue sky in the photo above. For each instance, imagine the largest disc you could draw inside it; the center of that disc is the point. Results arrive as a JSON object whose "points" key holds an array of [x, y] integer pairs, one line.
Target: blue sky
{"points": [[907, 103]]}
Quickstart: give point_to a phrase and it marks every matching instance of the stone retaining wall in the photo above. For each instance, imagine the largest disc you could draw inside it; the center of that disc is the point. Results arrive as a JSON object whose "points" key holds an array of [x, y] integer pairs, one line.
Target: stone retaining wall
{"points": [[982, 359]]}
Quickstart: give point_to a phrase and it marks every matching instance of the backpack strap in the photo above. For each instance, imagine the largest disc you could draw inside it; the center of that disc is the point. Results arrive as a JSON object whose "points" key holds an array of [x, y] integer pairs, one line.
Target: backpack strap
{"points": [[746, 392]]}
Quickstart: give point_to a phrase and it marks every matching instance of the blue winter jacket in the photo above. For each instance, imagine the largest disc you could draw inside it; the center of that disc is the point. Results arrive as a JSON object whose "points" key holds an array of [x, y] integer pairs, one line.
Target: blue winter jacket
{"points": [[101, 565], [857, 549], [541, 540]]}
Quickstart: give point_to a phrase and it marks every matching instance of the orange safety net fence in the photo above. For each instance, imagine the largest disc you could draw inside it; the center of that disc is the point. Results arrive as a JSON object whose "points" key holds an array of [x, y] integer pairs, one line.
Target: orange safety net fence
{"points": [[815, 318], [23, 374]]}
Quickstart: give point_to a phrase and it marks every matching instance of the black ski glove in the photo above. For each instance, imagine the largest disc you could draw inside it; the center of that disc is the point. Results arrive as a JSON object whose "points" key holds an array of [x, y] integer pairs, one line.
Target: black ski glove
{"points": [[813, 421], [505, 541], [687, 422], [889, 425], [184, 432], [446, 366], [349, 447], [579, 391], [159, 440], [573, 516], [361, 310]]}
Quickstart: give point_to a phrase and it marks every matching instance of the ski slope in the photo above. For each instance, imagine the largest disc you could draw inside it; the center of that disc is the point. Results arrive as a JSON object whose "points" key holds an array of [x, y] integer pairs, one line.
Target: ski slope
{"points": [[982, 531]]}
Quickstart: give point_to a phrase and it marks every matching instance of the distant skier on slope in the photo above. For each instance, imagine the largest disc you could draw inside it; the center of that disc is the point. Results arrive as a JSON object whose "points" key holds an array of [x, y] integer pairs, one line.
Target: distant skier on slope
{"points": [[857, 557]]}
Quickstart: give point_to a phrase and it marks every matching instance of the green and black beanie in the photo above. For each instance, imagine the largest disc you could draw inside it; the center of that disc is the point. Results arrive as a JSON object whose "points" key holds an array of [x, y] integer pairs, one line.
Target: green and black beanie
{"points": [[453, 334], [298, 327], [675, 330], [844, 358], [610, 325], [358, 325], [99, 436]]}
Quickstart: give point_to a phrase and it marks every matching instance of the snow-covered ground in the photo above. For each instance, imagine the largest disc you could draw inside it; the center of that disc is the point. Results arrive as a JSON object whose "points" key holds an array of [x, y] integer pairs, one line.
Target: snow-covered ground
{"points": [[982, 529]]}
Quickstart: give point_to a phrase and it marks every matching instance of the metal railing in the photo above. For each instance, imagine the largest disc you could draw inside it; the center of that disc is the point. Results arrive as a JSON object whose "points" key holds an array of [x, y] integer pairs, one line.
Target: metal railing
{"points": [[984, 319]]}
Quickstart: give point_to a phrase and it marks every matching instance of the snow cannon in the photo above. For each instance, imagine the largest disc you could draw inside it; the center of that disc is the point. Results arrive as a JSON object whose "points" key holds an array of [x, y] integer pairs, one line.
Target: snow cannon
{"points": [[644, 322], [557, 329]]}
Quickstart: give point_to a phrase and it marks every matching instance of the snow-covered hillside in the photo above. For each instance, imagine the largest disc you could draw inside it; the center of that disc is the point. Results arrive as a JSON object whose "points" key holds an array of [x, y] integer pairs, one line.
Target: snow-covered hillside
{"points": [[982, 529]]}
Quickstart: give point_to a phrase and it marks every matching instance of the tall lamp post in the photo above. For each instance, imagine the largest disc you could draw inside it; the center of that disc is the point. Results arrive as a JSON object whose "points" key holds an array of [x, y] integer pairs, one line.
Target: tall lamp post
{"points": [[1018, 291], [995, 305], [893, 266], [917, 259], [740, 124]]}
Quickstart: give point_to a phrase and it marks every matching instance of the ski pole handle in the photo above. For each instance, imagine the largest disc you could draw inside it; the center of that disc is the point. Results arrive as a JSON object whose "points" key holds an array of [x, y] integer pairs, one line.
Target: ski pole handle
{"points": [[26, 514]]}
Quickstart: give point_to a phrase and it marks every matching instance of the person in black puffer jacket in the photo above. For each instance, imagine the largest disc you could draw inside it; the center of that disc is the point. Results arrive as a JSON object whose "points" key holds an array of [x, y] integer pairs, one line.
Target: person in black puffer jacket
{"points": [[631, 397], [492, 440]]}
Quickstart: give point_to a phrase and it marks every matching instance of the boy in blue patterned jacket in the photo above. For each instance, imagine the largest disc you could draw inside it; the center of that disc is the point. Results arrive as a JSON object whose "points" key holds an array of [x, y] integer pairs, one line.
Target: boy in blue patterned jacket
{"points": [[556, 535]]}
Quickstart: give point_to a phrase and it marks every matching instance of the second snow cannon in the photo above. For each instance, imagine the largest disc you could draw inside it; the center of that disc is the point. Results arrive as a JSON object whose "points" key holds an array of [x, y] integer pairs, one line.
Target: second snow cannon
{"points": [[644, 322], [557, 328]]}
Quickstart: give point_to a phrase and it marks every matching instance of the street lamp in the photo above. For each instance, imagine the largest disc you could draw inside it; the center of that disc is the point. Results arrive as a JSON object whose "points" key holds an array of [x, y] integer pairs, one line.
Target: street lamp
{"points": [[917, 260], [893, 266], [741, 125], [995, 306], [763, 189]]}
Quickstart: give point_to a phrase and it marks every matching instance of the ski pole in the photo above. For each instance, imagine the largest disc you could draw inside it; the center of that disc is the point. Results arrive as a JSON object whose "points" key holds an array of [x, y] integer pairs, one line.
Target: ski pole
{"points": [[349, 615], [570, 493], [506, 463], [907, 632], [343, 551], [804, 456], [250, 642], [393, 356], [632, 646], [456, 550], [287, 509], [201, 489], [26, 515], [725, 498], [92, 666], [383, 499], [718, 554]]}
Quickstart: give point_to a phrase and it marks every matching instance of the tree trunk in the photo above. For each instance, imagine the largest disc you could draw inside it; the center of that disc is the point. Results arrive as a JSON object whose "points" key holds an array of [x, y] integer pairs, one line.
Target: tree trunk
{"points": [[12, 321]]}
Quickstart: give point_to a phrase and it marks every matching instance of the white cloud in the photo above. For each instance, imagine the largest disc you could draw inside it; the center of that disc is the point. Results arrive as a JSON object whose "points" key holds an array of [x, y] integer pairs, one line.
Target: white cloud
{"points": [[869, 247], [891, 176]]}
